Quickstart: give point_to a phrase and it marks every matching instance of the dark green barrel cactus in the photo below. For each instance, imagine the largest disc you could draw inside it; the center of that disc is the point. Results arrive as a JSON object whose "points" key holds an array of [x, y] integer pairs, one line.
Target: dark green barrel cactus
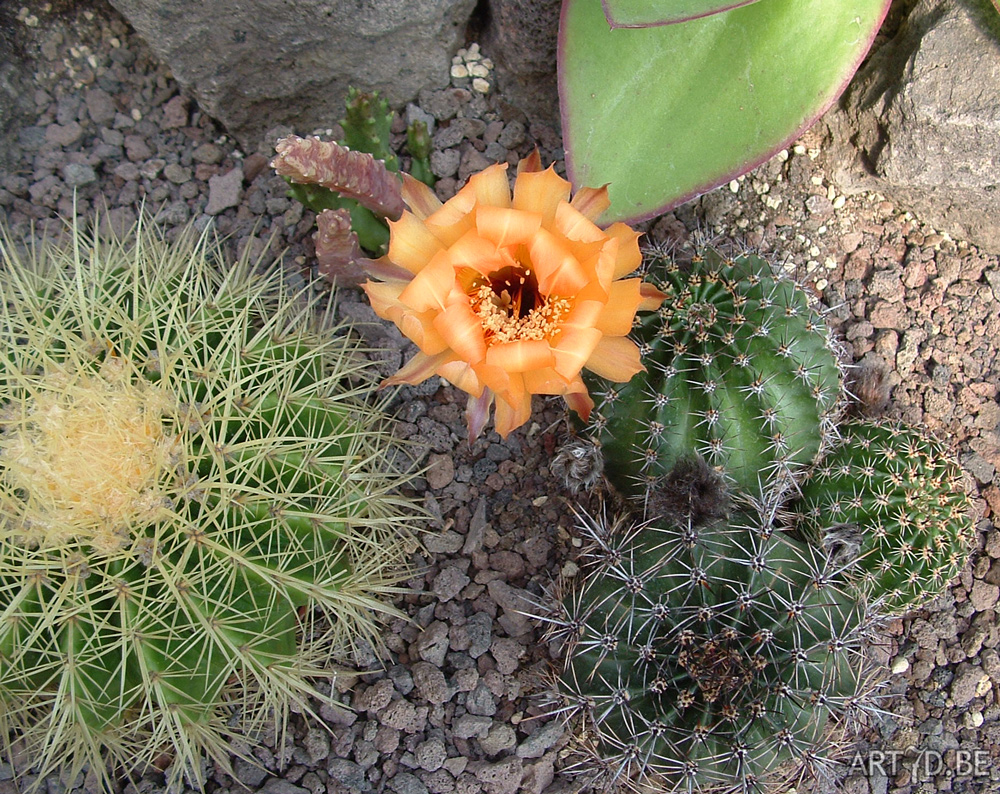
{"points": [[715, 656], [892, 501], [198, 505], [739, 370]]}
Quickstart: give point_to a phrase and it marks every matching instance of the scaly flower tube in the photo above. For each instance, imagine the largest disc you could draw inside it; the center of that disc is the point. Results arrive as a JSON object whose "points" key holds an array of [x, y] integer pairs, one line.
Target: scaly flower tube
{"points": [[513, 295]]}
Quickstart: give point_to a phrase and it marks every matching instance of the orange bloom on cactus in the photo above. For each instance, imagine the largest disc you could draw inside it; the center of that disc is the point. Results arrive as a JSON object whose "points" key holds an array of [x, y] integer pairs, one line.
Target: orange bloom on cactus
{"points": [[513, 295]]}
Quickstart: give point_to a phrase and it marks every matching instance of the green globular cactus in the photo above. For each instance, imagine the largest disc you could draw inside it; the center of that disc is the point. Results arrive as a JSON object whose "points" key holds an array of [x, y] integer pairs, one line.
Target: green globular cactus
{"points": [[198, 503], [739, 370], [892, 501], [723, 656]]}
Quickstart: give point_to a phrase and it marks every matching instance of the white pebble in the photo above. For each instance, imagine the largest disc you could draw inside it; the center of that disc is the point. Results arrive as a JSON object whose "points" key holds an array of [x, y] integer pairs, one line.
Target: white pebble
{"points": [[474, 54], [974, 719], [480, 85], [459, 70], [902, 664], [734, 186], [839, 202], [478, 70]]}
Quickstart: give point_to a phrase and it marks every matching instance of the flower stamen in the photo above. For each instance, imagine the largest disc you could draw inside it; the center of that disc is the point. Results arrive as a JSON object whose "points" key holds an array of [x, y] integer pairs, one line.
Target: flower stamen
{"points": [[511, 308]]}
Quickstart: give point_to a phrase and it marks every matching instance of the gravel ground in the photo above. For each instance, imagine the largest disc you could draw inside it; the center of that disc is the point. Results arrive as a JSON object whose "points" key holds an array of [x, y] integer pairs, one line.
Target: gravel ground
{"points": [[453, 709]]}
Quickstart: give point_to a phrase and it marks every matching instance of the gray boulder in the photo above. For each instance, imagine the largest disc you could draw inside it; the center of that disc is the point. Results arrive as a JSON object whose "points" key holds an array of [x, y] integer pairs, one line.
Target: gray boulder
{"points": [[921, 121], [254, 64], [521, 37]]}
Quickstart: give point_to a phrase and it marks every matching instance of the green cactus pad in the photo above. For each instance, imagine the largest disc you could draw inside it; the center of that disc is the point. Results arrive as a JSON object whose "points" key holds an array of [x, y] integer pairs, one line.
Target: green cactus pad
{"points": [[739, 370], [719, 656], [904, 498], [198, 505]]}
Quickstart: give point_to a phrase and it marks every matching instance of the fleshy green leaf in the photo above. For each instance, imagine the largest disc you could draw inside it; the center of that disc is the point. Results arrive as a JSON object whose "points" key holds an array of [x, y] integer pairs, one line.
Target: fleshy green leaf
{"points": [[647, 13], [667, 113]]}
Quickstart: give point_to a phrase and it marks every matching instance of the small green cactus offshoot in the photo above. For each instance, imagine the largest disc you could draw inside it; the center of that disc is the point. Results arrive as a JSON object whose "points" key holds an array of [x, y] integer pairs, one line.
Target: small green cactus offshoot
{"points": [[198, 506], [367, 126], [366, 129], [353, 185], [739, 370], [894, 499], [418, 141], [708, 656]]}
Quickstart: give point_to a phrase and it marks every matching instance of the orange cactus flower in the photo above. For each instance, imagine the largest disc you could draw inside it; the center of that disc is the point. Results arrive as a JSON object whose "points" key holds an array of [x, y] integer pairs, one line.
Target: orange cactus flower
{"points": [[513, 295]]}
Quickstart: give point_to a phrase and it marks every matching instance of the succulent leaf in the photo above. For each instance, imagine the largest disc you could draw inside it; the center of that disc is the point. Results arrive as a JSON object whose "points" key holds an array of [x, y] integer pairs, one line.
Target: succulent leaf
{"points": [[663, 114], [648, 13]]}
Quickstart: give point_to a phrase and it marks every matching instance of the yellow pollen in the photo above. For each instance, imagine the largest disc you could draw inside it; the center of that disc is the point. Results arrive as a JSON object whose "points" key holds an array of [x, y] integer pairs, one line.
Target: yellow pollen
{"points": [[499, 315]]}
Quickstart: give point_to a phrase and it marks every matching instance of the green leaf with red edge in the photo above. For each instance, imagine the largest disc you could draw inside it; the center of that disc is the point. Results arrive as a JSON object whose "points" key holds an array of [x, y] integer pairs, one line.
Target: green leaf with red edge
{"points": [[667, 113], [647, 13]]}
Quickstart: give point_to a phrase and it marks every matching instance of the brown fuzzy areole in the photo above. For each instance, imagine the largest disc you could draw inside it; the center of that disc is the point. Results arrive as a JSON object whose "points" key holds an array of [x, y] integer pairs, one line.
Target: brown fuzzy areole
{"points": [[692, 491]]}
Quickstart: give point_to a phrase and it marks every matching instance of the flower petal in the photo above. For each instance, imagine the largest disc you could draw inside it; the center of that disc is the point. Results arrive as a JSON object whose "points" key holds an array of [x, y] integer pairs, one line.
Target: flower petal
{"points": [[574, 225], [419, 328], [578, 398], [583, 314], [591, 201], [384, 298], [503, 226], [573, 350], [477, 413], [510, 416], [558, 271], [419, 197], [544, 381], [490, 186], [472, 250], [411, 244], [462, 330], [619, 312], [652, 297], [520, 356], [461, 375], [629, 256], [533, 162], [541, 192], [417, 369], [615, 358], [430, 288]]}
